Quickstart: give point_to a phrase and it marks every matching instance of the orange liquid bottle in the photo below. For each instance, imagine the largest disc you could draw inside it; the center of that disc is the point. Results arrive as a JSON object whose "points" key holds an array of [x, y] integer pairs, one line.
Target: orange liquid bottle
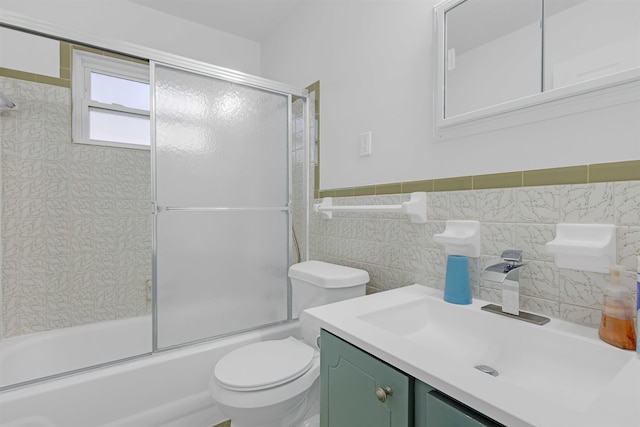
{"points": [[617, 326]]}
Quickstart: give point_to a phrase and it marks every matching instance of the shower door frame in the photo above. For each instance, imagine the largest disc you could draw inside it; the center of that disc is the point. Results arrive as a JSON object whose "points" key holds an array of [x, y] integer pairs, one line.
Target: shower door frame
{"points": [[255, 83], [35, 26]]}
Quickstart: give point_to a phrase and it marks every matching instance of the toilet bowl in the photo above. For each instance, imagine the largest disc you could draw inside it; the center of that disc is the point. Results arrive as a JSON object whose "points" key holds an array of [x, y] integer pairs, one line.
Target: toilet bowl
{"points": [[276, 383], [284, 398]]}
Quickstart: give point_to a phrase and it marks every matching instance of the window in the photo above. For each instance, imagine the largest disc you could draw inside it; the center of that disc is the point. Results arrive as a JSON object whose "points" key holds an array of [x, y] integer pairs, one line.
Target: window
{"points": [[110, 101]]}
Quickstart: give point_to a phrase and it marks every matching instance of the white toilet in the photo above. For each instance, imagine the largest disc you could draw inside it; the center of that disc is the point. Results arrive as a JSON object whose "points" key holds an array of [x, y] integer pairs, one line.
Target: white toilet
{"points": [[276, 383]]}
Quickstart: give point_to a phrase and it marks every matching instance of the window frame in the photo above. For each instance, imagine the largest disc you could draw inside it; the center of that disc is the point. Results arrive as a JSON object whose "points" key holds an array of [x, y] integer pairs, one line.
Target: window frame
{"points": [[84, 63]]}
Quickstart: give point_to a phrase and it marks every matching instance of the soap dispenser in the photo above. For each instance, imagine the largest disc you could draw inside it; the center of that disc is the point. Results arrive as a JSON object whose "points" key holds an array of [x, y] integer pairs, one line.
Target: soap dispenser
{"points": [[617, 326]]}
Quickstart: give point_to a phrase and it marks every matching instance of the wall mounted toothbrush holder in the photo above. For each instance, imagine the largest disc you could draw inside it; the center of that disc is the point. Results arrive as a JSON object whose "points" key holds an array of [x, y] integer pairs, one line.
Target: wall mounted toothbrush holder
{"points": [[460, 238], [587, 247], [416, 208]]}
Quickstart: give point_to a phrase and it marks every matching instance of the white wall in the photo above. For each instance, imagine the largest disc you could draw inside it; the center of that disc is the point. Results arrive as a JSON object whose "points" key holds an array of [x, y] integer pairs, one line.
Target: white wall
{"points": [[132, 23], [43, 58], [374, 63]]}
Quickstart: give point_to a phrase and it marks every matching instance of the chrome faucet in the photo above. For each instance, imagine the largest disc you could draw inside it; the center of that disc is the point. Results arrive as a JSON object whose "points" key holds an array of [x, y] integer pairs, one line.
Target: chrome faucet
{"points": [[507, 273], [508, 269]]}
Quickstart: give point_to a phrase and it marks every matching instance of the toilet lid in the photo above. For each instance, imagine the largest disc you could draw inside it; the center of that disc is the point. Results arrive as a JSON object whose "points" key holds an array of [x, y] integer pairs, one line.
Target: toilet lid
{"points": [[264, 364]]}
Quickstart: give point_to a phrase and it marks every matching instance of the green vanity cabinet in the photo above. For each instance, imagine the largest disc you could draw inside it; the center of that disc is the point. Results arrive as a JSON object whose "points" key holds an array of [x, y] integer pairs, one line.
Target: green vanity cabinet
{"points": [[358, 390], [436, 409]]}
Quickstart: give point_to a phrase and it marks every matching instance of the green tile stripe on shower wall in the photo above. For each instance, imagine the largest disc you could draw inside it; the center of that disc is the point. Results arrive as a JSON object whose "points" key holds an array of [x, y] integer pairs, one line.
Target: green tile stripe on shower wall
{"points": [[31, 77], [70, 47], [65, 71], [66, 54], [586, 174], [315, 87]]}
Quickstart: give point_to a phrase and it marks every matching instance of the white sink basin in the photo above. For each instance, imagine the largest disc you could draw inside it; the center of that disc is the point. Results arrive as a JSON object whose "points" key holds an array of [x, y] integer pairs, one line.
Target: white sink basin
{"points": [[558, 374], [562, 367]]}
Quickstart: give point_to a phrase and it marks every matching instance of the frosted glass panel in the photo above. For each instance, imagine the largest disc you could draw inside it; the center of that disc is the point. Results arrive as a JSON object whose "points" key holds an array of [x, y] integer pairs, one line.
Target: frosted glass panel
{"points": [[220, 272], [219, 143]]}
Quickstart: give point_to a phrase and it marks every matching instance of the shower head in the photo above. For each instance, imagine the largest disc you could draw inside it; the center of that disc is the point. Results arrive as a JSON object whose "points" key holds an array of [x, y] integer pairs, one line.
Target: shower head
{"points": [[5, 104]]}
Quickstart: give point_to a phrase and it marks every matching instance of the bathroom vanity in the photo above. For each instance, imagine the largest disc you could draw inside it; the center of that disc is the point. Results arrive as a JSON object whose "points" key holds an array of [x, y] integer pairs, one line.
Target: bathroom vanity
{"points": [[350, 378], [440, 360]]}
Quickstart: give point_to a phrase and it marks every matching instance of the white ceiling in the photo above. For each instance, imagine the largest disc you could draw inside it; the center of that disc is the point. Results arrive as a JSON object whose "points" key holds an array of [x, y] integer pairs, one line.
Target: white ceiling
{"points": [[477, 21], [250, 19]]}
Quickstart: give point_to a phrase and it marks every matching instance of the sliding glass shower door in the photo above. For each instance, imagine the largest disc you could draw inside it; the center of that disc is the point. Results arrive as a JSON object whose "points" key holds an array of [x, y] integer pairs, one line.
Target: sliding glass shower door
{"points": [[222, 179]]}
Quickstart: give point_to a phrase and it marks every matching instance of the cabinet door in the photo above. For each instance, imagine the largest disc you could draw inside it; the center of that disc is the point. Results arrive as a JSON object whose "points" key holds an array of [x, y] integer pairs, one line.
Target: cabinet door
{"points": [[349, 378], [435, 409]]}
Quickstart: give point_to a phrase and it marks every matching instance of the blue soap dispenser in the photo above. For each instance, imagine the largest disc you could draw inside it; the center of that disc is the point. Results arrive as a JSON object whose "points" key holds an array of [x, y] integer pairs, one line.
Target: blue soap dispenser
{"points": [[461, 240], [457, 286]]}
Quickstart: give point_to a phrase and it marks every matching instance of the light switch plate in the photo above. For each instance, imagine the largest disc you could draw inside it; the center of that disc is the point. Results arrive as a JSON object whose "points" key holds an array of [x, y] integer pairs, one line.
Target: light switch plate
{"points": [[364, 143]]}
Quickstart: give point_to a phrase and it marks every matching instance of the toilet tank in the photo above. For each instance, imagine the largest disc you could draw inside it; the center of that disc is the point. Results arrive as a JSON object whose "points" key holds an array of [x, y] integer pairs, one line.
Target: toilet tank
{"points": [[315, 283]]}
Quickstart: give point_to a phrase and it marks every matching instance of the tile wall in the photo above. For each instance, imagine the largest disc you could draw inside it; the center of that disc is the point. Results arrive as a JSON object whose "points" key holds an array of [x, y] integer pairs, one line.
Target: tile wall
{"points": [[76, 224], [397, 253], [297, 190]]}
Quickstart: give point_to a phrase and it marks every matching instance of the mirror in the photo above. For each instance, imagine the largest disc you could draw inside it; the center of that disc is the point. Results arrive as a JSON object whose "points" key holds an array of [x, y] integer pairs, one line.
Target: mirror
{"points": [[499, 56], [493, 50], [588, 39]]}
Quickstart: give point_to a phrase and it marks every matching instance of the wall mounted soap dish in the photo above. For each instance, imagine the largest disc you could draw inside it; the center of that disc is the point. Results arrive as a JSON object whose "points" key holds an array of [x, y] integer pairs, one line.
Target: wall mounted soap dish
{"points": [[588, 247], [460, 238]]}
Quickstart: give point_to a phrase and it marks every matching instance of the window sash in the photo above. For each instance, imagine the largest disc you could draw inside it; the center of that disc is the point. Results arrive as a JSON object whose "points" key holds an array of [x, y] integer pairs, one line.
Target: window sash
{"points": [[124, 89], [86, 63], [115, 121]]}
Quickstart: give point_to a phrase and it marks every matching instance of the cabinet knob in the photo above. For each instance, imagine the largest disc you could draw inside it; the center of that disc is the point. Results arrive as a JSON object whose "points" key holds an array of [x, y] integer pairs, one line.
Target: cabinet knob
{"points": [[382, 393]]}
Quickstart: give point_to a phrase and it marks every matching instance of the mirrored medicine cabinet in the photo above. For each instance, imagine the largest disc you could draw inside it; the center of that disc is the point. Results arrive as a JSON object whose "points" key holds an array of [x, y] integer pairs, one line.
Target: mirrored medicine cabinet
{"points": [[506, 62]]}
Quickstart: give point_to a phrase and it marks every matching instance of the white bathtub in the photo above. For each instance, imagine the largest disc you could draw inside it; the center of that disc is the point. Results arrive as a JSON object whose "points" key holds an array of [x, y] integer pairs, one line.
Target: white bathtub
{"points": [[165, 389], [42, 354]]}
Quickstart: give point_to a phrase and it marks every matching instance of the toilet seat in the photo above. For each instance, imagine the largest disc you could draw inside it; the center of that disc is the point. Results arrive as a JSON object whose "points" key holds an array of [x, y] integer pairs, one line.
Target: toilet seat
{"points": [[264, 365]]}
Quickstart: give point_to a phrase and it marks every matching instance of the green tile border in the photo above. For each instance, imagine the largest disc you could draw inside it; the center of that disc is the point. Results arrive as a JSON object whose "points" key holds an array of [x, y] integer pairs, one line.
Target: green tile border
{"points": [[315, 87], [556, 176], [66, 55], [394, 188], [453, 184], [498, 180], [413, 186], [619, 171], [369, 190], [65, 70], [586, 174]]}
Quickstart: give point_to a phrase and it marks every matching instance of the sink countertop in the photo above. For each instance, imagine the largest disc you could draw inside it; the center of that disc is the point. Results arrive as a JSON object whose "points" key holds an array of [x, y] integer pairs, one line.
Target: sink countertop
{"points": [[509, 399]]}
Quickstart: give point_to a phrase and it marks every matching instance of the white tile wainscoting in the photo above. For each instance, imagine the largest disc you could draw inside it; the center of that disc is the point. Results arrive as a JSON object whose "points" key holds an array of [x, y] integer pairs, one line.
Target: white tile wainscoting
{"points": [[76, 219], [397, 253]]}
